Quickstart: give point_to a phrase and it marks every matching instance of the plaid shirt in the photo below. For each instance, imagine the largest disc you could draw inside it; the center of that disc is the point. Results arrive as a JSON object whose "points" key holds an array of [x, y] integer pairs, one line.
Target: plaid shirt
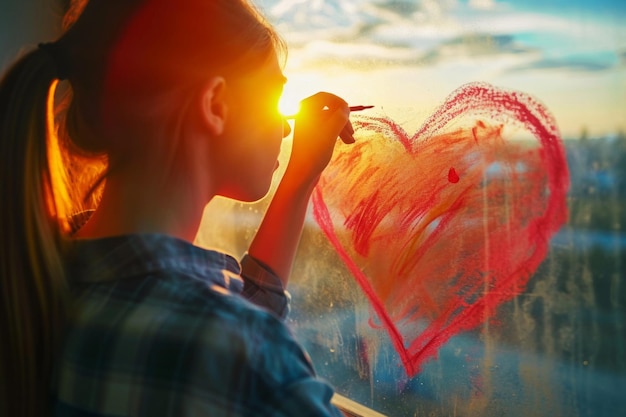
{"points": [[157, 328]]}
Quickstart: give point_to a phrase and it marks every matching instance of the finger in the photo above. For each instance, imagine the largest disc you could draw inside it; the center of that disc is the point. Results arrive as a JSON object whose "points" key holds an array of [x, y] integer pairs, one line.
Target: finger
{"points": [[347, 138], [346, 134], [322, 101], [350, 127]]}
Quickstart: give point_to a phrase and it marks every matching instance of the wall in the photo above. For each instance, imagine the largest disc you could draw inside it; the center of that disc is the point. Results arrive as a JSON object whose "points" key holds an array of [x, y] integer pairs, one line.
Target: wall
{"points": [[25, 24]]}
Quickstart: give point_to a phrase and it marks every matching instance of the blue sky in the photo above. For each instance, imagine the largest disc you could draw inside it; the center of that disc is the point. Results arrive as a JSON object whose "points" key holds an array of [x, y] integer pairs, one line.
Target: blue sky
{"points": [[407, 56]]}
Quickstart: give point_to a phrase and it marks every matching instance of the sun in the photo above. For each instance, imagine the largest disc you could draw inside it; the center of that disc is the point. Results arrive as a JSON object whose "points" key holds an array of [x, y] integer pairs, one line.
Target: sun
{"points": [[298, 87], [289, 103]]}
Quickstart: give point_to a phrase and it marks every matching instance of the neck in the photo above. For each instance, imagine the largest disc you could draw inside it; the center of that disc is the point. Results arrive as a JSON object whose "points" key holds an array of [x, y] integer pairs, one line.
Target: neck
{"points": [[140, 198]]}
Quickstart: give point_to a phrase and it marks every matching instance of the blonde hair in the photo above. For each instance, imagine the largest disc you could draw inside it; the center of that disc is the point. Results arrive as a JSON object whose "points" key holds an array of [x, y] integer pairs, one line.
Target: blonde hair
{"points": [[46, 178]]}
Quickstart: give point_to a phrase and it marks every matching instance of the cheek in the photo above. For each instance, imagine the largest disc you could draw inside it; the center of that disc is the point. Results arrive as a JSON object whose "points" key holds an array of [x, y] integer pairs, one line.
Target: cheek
{"points": [[260, 148], [268, 151], [270, 133]]}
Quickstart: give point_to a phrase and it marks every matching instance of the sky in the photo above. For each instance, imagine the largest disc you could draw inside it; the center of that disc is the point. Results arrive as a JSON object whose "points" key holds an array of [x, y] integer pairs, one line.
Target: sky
{"points": [[405, 57]]}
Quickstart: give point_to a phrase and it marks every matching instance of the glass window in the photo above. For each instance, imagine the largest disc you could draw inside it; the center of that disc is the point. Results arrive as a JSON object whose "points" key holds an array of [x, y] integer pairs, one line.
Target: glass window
{"points": [[557, 345]]}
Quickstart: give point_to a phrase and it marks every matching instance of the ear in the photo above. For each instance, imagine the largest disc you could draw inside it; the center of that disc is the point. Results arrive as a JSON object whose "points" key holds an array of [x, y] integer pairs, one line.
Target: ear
{"points": [[214, 106]]}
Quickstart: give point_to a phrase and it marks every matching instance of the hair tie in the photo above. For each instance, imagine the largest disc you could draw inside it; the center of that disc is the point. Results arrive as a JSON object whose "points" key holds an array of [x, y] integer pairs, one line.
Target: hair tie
{"points": [[58, 58]]}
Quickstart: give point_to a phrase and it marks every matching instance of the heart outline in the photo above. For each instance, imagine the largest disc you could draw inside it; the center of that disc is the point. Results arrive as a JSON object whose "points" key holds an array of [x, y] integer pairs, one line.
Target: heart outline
{"points": [[480, 99]]}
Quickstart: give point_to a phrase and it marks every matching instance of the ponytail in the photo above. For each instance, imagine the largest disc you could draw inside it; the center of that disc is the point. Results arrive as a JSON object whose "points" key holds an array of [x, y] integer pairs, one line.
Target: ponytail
{"points": [[31, 268]]}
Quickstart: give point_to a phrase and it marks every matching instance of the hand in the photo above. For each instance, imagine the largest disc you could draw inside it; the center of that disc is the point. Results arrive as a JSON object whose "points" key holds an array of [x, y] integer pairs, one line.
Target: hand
{"points": [[323, 118]]}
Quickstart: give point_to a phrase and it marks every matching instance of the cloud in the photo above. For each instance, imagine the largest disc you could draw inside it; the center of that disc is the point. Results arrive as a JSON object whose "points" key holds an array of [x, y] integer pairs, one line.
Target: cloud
{"points": [[482, 4], [570, 64], [366, 56], [478, 45], [303, 21], [375, 33]]}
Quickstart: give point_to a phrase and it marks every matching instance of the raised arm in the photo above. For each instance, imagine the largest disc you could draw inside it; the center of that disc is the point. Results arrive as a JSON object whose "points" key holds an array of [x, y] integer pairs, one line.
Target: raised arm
{"points": [[322, 119]]}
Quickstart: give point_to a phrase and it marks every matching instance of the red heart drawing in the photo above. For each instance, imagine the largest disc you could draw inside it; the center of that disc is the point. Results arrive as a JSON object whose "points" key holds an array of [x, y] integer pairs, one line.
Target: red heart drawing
{"points": [[442, 227]]}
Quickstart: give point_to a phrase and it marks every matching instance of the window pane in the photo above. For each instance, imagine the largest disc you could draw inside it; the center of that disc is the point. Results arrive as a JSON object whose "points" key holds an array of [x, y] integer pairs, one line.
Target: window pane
{"points": [[557, 347]]}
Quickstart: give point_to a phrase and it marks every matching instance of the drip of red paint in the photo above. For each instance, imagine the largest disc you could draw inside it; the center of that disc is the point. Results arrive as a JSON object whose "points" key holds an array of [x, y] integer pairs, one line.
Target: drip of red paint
{"points": [[453, 177], [436, 260]]}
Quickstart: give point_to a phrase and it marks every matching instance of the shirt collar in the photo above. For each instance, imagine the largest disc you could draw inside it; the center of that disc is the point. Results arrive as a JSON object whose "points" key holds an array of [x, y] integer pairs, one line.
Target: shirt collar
{"points": [[127, 256]]}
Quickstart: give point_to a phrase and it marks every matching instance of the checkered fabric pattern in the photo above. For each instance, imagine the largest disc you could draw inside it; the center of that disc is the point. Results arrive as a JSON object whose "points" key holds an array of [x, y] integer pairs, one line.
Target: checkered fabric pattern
{"points": [[159, 327]]}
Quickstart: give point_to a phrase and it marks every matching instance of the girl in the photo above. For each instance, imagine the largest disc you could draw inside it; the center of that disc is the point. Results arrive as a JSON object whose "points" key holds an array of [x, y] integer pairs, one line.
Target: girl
{"points": [[106, 307]]}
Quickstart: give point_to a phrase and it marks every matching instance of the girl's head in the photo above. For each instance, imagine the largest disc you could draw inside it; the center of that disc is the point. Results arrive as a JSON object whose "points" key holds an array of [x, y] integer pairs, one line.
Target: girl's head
{"points": [[140, 71], [173, 84]]}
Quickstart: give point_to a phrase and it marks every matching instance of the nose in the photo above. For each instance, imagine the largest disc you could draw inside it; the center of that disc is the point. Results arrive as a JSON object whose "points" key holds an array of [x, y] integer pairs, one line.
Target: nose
{"points": [[286, 128]]}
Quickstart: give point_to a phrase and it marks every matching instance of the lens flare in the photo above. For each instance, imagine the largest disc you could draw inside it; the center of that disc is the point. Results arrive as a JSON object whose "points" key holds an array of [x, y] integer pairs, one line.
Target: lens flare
{"points": [[289, 103]]}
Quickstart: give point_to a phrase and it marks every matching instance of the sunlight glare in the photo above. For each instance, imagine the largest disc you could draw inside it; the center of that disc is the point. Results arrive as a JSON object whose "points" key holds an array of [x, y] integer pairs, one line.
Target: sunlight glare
{"points": [[289, 103]]}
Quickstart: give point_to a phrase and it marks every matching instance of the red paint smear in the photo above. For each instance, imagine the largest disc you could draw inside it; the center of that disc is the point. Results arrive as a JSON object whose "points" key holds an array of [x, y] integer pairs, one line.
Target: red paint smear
{"points": [[436, 260], [453, 177]]}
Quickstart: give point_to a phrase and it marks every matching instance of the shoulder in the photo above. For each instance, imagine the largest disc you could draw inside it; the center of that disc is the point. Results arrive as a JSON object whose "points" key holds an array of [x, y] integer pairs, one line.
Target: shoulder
{"points": [[170, 303], [175, 342], [244, 356]]}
